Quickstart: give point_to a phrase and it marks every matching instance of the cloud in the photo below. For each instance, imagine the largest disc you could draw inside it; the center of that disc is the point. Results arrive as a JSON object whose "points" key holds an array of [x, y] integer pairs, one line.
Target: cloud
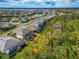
{"points": [[9, 2], [27, 3], [66, 1]]}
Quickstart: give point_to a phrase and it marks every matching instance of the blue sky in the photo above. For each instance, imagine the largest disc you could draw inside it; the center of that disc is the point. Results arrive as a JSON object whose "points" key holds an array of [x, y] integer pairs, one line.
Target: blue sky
{"points": [[39, 3]]}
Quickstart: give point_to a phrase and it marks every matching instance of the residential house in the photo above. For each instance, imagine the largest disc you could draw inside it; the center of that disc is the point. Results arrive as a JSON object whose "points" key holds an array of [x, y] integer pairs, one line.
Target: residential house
{"points": [[47, 18], [23, 33], [5, 25], [22, 20], [33, 26], [57, 25], [18, 20], [9, 45], [14, 20], [4, 19]]}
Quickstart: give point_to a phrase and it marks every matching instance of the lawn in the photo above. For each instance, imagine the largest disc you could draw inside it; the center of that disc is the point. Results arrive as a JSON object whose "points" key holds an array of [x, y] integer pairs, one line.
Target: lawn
{"points": [[2, 31], [3, 56]]}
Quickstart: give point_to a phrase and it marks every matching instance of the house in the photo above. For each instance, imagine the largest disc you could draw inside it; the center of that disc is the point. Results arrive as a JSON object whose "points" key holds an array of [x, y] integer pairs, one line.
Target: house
{"points": [[47, 18], [40, 21], [5, 25], [18, 20], [4, 19], [22, 20], [58, 25], [33, 26], [23, 33], [9, 45], [14, 20]]}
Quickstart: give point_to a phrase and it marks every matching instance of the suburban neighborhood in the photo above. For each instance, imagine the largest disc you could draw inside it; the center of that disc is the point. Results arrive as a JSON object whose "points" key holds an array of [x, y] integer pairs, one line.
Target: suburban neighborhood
{"points": [[39, 33], [39, 29], [21, 27]]}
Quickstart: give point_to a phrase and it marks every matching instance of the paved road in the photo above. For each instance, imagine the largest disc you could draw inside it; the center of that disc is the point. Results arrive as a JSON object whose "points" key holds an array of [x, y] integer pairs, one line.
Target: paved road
{"points": [[11, 31]]}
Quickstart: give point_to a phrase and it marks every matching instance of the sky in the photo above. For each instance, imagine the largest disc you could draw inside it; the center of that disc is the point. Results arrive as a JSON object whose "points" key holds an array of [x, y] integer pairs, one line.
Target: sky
{"points": [[39, 3]]}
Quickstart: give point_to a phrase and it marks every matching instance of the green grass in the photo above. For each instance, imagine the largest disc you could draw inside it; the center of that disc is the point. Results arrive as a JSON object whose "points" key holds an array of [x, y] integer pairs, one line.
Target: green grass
{"points": [[3, 56], [14, 35], [2, 31]]}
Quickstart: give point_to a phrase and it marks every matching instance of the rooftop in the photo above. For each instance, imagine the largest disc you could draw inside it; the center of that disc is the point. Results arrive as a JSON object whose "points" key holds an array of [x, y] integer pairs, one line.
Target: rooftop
{"points": [[7, 42]]}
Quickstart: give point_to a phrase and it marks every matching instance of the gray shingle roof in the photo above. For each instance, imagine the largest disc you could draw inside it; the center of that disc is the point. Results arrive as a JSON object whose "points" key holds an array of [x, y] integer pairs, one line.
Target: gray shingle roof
{"points": [[22, 31], [4, 25], [8, 42]]}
